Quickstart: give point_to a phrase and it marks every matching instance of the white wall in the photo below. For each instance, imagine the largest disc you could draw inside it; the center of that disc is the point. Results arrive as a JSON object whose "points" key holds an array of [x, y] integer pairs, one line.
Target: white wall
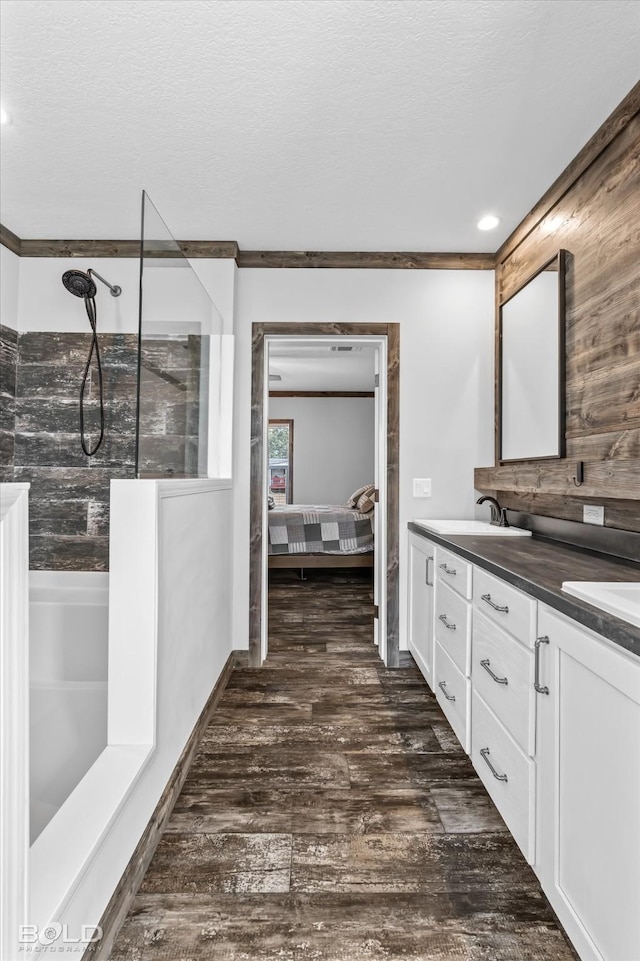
{"points": [[446, 382], [44, 304], [9, 287], [333, 445]]}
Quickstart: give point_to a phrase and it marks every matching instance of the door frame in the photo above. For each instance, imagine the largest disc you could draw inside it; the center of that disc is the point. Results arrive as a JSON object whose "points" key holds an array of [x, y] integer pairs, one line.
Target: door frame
{"points": [[259, 420]]}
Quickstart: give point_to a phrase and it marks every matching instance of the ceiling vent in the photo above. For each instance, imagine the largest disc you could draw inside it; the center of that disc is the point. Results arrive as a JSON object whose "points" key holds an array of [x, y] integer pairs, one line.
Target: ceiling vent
{"points": [[275, 377], [347, 348]]}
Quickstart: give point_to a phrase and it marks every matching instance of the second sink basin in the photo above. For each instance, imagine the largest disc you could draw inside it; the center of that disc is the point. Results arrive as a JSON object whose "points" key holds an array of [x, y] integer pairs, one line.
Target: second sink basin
{"points": [[617, 597], [470, 527]]}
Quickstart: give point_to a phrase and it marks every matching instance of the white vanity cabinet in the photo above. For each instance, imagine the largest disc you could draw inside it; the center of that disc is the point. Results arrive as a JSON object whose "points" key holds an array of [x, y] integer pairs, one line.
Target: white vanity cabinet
{"points": [[452, 652], [588, 787], [549, 712], [503, 704], [421, 598]]}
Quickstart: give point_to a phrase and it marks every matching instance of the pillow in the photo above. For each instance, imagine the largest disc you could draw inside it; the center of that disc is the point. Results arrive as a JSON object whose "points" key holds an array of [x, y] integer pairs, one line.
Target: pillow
{"points": [[365, 502], [353, 500]]}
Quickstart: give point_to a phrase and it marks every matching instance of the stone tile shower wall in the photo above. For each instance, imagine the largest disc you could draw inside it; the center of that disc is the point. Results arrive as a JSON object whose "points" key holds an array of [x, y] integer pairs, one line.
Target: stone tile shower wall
{"points": [[8, 365], [69, 497]]}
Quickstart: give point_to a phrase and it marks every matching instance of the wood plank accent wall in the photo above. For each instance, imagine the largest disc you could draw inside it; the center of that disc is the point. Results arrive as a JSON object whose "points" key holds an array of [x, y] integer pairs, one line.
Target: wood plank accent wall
{"points": [[594, 214]]}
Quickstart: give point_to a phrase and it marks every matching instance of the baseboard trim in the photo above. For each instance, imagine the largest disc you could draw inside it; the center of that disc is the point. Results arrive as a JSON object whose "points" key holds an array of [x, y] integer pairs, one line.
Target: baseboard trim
{"points": [[120, 902]]}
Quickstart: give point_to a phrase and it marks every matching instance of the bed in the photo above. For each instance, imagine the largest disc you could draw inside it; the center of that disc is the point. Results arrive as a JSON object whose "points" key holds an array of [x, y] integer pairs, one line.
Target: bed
{"points": [[312, 535]]}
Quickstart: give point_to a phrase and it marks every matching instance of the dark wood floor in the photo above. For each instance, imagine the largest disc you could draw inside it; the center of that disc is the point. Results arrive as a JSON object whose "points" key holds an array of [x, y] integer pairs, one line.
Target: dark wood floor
{"points": [[331, 815]]}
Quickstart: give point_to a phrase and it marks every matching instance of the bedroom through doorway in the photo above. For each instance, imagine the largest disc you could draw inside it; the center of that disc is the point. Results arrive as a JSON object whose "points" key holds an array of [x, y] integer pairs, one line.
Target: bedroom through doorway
{"points": [[324, 483]]}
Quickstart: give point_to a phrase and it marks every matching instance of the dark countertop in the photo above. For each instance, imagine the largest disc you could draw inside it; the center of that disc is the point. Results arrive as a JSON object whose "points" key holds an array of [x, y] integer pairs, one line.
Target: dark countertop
{"points": [[538, 567]]}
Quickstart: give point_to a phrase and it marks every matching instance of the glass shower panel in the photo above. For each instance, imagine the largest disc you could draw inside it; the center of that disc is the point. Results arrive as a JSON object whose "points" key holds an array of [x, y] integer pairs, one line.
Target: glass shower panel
{"points": [[180, 330]]}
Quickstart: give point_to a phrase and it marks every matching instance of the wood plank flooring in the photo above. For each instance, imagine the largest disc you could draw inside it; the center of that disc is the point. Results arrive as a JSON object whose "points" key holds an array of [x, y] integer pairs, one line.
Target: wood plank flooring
{"points": [[331, 815]]}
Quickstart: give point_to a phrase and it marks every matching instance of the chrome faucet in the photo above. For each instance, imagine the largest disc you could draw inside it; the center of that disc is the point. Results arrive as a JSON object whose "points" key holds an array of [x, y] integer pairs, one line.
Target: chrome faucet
{"points": [[498, 514]]}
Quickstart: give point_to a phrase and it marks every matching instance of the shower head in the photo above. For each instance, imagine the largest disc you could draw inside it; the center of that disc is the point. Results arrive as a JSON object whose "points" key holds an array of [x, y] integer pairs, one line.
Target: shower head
{"points": [[79, 283], [82, 285]]}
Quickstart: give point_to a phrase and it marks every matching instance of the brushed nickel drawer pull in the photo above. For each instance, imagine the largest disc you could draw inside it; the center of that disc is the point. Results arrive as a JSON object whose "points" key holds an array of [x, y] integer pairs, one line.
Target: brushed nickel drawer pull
{"points": [[496, 607], [443, 618], [449, 697], [448, 570], [498, 680], [426, 573], [536, 680], [499, 777]]}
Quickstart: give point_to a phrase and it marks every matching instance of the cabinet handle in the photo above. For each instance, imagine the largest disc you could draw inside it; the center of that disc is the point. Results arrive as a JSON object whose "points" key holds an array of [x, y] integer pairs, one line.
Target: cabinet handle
{"points": [[498, 680], [496, 607], [426, 573], [443, 618], [499, 777], [449, 697], [536, 680], [448, 570]]}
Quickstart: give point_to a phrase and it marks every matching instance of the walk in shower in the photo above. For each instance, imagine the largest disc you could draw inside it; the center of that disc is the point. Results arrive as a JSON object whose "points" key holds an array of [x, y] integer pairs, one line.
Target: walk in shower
{"points": [[150, 410]]}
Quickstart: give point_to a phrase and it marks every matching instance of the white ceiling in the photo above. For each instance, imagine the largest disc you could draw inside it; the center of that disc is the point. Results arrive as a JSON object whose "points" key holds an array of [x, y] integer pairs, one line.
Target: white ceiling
{"points": [[302, 124], [319, 368]]}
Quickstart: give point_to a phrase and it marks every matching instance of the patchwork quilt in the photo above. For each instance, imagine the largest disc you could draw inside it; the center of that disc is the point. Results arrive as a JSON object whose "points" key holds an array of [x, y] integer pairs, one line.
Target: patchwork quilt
{"points": [[313, 529]]}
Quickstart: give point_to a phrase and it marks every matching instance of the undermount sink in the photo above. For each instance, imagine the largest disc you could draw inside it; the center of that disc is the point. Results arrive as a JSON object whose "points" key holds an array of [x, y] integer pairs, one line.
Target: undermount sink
{"points": [[470, 527], [617, 597]]}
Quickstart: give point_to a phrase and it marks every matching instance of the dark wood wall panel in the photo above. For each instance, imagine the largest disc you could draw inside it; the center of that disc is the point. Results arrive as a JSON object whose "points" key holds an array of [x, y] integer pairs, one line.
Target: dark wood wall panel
{"points": [[596, 218], [622, 514]]}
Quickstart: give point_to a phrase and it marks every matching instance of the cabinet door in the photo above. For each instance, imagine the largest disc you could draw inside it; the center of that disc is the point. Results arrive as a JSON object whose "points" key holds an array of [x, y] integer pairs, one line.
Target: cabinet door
{"points": [[421, 561], [588, 759]]}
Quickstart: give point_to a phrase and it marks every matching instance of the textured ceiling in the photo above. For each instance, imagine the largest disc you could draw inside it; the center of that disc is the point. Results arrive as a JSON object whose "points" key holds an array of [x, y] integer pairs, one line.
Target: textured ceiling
{"points": [[302, 124], [319, 368]]}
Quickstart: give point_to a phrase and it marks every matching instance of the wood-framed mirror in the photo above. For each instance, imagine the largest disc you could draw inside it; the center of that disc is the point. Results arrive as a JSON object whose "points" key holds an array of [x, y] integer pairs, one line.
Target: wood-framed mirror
{"points": [[531, 366]]}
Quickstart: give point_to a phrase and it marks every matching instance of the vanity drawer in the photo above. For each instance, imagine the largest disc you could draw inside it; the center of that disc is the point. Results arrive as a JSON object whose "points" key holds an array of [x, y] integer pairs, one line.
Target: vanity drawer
{"points": [[453, 692], [510, 693], [507, 773], [453, 626], [505, 605], [455, 572]]}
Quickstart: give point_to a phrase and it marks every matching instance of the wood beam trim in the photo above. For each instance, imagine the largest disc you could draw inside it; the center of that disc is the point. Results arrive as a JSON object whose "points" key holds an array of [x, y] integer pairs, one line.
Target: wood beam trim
{"points": [[228, 249], [606, 133], [10, 240], [613, 479], [376, 260], [194, 249], [321, 393]]}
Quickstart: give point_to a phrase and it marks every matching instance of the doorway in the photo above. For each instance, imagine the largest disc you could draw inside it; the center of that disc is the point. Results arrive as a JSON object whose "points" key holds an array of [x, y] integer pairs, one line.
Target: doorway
{"points": [[385, 337]]}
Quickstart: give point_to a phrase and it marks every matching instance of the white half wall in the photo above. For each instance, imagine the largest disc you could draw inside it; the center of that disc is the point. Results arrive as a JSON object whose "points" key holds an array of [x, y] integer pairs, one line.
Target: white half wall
{"points": [[182, 612], [333, 445], [446, 382]]}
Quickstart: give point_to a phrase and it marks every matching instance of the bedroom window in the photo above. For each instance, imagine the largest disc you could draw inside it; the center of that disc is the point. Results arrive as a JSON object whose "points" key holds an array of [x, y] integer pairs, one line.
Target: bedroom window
{"points": [[280, 469]]}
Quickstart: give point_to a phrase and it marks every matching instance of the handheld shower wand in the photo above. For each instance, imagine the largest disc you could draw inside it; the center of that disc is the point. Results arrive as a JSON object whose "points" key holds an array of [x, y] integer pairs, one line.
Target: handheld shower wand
{"points": [[80, 284]]}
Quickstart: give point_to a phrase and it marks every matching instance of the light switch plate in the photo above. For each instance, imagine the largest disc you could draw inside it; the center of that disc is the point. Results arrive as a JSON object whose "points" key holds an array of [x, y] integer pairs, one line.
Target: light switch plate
{"points": [[592, 514], [422, 487]]}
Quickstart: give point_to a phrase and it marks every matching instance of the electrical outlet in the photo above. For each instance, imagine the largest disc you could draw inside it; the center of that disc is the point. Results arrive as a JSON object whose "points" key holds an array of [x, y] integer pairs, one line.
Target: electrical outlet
{"points": [[592, 514], [422, 487]]}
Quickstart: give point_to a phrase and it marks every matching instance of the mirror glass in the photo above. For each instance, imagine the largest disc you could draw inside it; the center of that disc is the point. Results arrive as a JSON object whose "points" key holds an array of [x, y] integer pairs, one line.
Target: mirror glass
{"points": [[531, 420]]}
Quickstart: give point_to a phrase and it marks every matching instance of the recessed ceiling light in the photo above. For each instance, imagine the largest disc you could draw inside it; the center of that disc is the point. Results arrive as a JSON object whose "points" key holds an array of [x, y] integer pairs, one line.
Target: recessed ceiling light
{"points": [[488, 222]]}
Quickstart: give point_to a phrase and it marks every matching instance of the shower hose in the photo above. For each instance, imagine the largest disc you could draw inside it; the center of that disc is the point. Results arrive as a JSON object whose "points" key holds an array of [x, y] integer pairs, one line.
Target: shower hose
{"points": [[92, 314]]}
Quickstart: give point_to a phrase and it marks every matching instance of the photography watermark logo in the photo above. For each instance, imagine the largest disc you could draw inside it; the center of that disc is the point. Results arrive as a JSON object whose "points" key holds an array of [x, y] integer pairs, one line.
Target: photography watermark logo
{"points": [[57, 938]]}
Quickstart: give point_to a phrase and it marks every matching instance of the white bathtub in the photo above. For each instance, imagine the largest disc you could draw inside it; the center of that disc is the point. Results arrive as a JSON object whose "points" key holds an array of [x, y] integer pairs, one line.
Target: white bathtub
{"points": [[68, 637]]}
